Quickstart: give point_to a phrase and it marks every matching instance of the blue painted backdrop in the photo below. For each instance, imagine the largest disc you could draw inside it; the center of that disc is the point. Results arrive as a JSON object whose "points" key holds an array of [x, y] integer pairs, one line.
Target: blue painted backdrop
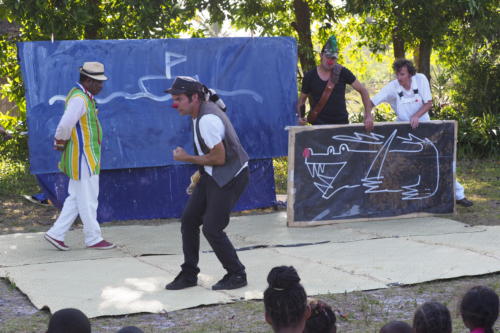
{"points": [[256, 77]]}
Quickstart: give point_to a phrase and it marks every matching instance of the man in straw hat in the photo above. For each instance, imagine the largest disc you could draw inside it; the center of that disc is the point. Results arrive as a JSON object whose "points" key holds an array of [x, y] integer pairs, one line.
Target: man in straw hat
{"points": [[224, 175], [79, 137], [325, 87]]}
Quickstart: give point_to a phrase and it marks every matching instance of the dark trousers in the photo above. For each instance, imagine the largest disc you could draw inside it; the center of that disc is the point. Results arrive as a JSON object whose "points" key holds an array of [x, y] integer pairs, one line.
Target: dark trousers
{"points": [[210, 206]]}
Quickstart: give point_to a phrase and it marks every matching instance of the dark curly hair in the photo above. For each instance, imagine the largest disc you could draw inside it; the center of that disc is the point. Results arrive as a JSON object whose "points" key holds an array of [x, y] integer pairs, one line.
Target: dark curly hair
{"points": [[322, 319], [432, 317], [396, 326], [400, 63], [479, 308], [285, 299]]}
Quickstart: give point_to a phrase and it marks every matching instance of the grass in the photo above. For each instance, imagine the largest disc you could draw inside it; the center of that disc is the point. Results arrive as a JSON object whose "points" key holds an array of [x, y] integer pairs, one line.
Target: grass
{"points": [[15, 178]]}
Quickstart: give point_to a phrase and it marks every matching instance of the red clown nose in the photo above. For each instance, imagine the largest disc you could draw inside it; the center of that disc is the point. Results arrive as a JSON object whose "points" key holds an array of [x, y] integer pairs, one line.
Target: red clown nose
{"points": [[329, 62], [175, 105]]}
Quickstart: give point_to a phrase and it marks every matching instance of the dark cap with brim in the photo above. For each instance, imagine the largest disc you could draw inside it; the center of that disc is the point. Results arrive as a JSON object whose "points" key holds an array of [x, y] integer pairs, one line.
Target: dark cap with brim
{"points": [[184, 85]]}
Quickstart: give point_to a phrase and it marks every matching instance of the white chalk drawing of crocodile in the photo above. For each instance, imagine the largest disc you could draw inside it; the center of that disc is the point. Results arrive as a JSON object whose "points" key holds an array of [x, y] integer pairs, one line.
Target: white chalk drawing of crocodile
{"points": [[385, 159]]}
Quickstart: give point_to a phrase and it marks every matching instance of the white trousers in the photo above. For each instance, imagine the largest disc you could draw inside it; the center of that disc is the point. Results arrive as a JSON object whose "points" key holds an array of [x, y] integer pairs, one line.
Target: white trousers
{"points": [[459, 191], [82, 200]]}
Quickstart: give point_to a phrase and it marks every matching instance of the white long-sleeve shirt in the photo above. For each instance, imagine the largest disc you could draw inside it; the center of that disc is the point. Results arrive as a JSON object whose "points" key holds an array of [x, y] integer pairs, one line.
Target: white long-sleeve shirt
{"points": [[74, 111]]}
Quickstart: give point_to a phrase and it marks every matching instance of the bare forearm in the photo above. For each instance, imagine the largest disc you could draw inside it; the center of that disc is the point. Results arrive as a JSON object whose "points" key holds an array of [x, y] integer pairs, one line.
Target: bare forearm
{"points": [[208, 159], [216, 156], [301, 103], [424, 109]]}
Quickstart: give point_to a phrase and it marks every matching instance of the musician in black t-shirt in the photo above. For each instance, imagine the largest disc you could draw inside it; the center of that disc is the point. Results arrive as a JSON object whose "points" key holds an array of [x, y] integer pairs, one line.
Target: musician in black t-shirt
{"points": [[314, 82]]}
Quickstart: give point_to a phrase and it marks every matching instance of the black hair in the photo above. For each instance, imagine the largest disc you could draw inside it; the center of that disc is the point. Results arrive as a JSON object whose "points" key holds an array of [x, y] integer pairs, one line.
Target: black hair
{"points": [[285, 299], [432, 317], [396, 326], [200, 93], [322, 319], [400, 63], [69, 321], [84, 78], [479, 308]]}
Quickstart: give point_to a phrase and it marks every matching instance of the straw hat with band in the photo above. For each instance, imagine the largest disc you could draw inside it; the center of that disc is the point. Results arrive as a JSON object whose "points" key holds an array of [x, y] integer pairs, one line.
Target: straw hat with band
{"points": [[94, 70]]}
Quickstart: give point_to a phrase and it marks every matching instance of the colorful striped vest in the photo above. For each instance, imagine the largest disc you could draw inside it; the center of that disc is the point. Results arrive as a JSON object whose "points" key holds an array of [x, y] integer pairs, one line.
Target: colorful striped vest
{"points": [[85, 141]]}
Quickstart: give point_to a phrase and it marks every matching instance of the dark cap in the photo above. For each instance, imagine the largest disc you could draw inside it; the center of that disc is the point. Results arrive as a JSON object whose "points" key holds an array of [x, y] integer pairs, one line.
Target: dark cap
{"points": [[183, 85]]}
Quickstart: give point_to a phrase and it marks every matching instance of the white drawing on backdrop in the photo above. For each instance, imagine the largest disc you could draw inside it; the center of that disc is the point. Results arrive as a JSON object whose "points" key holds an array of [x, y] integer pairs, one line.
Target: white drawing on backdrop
{"points": [[171, 60], [331, 173]]}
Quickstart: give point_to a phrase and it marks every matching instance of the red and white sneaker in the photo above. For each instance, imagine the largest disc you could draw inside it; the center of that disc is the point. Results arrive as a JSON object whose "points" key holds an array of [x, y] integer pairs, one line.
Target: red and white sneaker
{"points": [[57, 243], [102, 245]]}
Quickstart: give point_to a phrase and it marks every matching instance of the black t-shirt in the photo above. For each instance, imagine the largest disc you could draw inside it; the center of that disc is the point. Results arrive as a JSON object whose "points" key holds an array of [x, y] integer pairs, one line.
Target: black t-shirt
{"points": [[334, 111]]}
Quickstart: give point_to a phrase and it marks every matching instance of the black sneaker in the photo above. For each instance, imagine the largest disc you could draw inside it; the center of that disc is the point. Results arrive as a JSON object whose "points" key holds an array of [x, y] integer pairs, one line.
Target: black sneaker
{"points": [[182, 281], [464, 202], [231, 281]]}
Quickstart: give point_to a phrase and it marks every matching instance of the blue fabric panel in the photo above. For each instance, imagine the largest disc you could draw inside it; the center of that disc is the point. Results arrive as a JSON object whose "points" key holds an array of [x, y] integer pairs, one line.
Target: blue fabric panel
{"points": [[256, 77], [157, 192]]}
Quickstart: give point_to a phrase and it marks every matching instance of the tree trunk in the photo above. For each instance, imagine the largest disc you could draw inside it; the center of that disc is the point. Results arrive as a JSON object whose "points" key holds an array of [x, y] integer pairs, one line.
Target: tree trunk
{"points": [[398, 42], [302, 25], [424, 58], [93, 27], [398, 45]]}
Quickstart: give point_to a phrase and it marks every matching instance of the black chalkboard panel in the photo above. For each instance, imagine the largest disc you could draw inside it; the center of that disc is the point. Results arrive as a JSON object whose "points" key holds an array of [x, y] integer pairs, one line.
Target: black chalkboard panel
{"points": [[342, 172]]}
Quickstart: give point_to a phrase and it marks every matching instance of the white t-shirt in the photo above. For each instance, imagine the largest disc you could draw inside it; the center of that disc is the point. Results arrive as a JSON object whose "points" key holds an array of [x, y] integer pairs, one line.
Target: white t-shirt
{"points": [[213, 132], [410, 102]]}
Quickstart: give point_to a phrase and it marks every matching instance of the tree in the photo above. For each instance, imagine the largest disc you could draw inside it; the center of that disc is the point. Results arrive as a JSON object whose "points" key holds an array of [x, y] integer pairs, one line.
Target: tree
{"points": [[419, 24], [279, 18]]}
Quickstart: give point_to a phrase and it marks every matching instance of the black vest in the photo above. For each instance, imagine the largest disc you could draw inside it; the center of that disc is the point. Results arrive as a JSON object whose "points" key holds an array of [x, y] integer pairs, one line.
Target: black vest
{"points": [[236, 156]]}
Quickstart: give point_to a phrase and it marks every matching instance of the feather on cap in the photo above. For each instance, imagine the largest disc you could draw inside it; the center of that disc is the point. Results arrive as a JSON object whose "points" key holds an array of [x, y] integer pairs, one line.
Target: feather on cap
{"points": [[331, 48]]}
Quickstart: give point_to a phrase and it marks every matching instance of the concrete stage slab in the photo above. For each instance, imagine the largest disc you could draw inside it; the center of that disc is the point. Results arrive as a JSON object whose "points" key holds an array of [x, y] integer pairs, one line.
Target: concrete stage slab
{"points": [[330, 259]]}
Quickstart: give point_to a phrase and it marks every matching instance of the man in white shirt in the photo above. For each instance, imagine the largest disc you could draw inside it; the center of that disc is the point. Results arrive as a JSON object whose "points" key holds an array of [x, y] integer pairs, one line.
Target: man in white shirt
{"points": [[410, 97], [223, 164]]}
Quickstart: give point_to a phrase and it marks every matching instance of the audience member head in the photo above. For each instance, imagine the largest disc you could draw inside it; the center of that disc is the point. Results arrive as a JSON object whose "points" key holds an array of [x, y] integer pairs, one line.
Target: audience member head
{"points": [[432, 317], [322, 319], [130, 329], [479, 308], [285, 300], [69, 321], [396, 326]]}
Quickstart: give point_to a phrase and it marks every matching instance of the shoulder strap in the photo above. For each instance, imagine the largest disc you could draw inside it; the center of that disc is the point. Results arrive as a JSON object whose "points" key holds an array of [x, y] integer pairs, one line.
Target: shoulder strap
{"points": [[330, 85], [203, 146]]}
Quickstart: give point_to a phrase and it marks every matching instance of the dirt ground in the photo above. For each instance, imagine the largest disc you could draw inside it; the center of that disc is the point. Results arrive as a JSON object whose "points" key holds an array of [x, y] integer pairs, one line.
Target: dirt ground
{"points": [[363, 311]]}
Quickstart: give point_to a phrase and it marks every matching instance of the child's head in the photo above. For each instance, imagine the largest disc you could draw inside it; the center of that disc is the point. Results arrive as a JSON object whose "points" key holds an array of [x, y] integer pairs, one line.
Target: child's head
{"points": [[432, 317], [322, 319], [396, 326], [285, 299], [479, 308], [69, 321]]}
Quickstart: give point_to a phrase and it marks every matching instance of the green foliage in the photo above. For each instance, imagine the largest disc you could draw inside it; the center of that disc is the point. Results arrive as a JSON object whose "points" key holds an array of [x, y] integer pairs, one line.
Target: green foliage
{"points": [[280, 165], [381, 113], [309, 21], [13, 88], [16, 148], [477, 90], [15, 178], [469, 92], [478, 136]]}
